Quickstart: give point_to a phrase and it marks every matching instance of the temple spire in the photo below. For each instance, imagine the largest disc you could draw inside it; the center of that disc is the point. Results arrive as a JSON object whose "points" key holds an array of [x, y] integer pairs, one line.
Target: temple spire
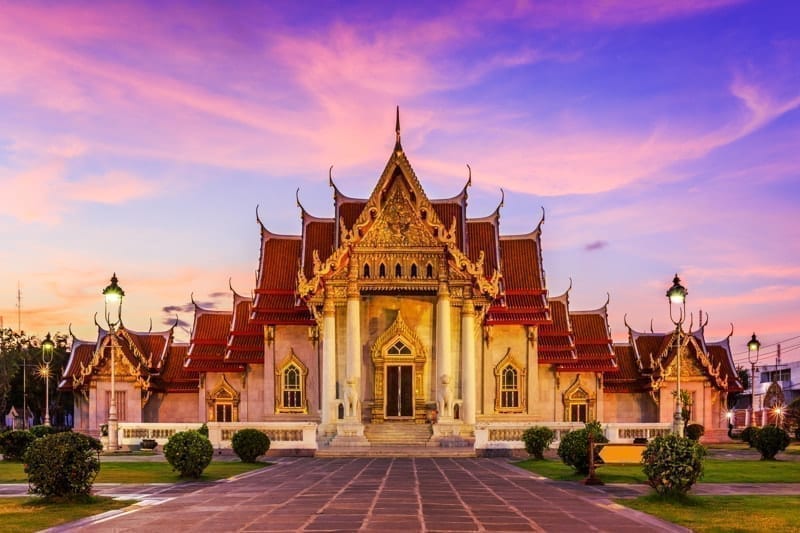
{"points": [[397, 146]]}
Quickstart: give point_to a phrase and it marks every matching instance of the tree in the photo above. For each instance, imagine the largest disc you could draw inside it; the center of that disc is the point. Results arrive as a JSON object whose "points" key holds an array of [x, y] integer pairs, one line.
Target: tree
{"points": [[21, 354]]}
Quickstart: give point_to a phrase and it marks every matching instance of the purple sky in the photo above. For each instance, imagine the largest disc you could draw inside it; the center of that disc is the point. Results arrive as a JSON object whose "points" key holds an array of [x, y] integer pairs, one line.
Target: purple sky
{"points": [[660, 137]]}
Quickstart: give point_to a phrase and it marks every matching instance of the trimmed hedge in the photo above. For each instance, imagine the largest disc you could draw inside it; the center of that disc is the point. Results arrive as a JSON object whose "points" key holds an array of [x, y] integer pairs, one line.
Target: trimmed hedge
{"points": [[695, 431], [771, 440], [574, 446], [13, 443], [537, 439], [750, 434], [249, 444], [63, 465], [189, 453], [673, 464]]}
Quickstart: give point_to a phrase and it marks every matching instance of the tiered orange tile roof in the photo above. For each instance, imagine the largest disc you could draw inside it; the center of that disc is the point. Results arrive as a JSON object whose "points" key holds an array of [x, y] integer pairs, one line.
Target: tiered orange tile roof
{"points": [[175, 377], [276, 300], [246, 339], [208, 342]]}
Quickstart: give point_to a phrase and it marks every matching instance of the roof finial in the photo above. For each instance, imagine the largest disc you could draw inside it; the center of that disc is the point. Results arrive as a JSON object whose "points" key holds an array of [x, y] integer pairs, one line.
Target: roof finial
{"points": [[397, 146]]}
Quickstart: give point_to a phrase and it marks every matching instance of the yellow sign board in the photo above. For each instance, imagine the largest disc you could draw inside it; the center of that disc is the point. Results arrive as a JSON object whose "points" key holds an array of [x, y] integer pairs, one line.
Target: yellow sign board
{"points": [[622, 453]]}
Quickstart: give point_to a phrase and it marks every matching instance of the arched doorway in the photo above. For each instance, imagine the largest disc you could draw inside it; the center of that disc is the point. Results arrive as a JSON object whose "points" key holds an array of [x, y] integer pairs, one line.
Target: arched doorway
{"points": [[399, 359]]}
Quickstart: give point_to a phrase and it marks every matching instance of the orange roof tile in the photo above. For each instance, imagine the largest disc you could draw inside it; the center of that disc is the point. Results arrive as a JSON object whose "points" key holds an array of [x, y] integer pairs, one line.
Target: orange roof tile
{"points": [[319, 236], [174, 376], [245, 342], [447, 211], [482, 237]]}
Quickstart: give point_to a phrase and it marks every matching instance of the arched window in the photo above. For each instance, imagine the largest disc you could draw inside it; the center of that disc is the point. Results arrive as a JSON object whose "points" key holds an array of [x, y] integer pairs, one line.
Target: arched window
{"points": [[399, 348], [223, 403], [398, 271], [510, 386], [382, 271], [578, 403], [429, 271], [366, 270], [413, 270], [290, 386]]}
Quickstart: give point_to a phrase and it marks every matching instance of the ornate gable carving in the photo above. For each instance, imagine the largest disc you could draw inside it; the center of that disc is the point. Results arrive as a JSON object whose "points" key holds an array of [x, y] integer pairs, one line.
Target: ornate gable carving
{"points": [[398, 224]]}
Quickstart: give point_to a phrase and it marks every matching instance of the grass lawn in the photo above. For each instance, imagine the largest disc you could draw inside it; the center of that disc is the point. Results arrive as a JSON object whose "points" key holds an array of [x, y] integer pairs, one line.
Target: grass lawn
{"points": [[716, 471], [33, 514], [723, 513], [135, 472]]}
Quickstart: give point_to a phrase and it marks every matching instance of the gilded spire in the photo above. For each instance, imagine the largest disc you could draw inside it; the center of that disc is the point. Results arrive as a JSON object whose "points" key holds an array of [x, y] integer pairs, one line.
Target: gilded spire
{"points": [[397, 146]]}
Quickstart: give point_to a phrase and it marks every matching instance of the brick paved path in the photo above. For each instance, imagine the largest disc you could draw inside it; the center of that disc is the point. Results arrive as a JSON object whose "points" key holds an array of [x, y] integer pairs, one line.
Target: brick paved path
{"points": [[382, 494]]}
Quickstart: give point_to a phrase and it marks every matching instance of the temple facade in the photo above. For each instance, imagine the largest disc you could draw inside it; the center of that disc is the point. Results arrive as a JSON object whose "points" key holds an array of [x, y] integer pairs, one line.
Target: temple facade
{"points": [[400, 309]]}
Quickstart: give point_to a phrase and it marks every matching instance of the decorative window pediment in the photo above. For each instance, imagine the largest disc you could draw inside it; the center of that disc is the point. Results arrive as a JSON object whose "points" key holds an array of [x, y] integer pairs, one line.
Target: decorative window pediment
{"points": [[290, 385], [510, 385], [578, 403], [223, 402]]}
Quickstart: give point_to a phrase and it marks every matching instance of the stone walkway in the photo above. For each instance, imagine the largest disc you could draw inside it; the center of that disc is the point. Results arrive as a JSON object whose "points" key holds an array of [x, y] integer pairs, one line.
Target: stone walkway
{"points": [[380, 494]]}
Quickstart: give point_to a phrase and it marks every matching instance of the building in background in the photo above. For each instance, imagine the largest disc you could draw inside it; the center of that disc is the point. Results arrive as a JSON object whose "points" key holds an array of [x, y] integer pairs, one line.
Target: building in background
{"points": [[401, 311]]}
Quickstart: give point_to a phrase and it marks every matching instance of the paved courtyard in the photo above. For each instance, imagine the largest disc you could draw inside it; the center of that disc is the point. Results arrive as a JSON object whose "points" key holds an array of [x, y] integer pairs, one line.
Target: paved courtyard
{"points": [[380, 494]]}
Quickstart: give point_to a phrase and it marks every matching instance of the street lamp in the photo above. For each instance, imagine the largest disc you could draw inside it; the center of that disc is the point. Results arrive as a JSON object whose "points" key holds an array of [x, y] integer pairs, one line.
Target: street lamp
{"points": [[753, 346], [677, 295], [48, 346], [113, 295]]}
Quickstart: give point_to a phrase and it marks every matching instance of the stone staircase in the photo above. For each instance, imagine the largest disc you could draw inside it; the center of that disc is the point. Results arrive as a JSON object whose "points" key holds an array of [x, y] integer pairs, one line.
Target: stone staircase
{"points": [[398, 434], [397, 439]]}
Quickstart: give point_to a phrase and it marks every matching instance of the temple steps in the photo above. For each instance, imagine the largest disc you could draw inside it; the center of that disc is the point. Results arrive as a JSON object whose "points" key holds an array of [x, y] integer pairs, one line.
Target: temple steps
{"points": [[398, 434], [393, 451]]}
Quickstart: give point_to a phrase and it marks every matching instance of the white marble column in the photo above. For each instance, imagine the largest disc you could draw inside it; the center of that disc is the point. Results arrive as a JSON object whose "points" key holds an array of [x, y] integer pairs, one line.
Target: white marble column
{"points": [[352, 396], [328, 361], [444, 365], [468, 408]]}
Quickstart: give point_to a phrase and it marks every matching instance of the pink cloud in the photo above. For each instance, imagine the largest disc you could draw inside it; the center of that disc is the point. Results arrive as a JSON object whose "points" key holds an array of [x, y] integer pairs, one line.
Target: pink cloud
{"points": [[549, 14], [31, 188]]}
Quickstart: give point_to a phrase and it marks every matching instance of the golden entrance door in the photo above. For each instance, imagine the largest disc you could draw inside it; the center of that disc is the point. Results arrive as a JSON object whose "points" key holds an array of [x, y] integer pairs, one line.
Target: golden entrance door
{"points": [[399, 400]]}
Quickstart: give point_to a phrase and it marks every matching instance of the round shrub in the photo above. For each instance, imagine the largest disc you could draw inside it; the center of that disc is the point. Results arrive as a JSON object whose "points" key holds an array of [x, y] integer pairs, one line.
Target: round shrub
{"points": [[695, 431], [42, 431], [189, 453], [673, 464], [14, 443], [749, 435], [249, 444], [62, 465], [771, 440], [574, 446], [537, 439]]}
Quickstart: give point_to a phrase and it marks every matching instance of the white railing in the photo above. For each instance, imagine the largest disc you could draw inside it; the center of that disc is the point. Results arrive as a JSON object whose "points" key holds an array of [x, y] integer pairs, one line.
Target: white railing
{"points": [[282, 435], [508, 435]]}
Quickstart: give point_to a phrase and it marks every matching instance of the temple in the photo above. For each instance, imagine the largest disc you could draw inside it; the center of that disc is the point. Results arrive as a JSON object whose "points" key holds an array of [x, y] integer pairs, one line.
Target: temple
{"points": [[401, 311]]}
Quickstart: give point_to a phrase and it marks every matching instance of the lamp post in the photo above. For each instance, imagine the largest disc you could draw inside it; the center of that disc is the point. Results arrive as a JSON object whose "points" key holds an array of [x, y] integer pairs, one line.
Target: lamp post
{"points": [[677, 295], [48, 346], [753, 346], [113, 295]]}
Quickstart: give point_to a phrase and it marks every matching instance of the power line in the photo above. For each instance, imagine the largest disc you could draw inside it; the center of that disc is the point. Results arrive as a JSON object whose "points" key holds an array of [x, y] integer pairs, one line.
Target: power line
{"points": [[768, 345]]}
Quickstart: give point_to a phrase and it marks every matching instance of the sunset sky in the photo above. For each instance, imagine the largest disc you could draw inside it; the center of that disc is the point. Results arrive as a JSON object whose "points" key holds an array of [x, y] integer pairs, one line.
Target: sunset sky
{"points": [[659, 136]]}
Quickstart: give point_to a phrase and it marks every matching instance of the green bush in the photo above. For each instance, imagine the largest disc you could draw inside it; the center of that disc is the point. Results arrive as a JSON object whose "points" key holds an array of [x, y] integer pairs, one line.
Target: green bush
{"points": [[749, 435], [42, 431], [14, 443], [673, 464], [771, 440], [203, 430], [695, 431], [574, 446], [62, 465], [189, 453], [537, 439], [249, 444]]}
